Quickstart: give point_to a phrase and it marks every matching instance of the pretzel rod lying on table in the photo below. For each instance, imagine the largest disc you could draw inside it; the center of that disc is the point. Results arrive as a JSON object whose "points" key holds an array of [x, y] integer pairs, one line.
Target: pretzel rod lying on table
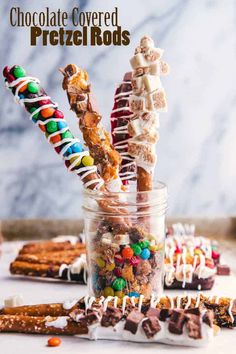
{"points": [[95, 136], [112, 318]]}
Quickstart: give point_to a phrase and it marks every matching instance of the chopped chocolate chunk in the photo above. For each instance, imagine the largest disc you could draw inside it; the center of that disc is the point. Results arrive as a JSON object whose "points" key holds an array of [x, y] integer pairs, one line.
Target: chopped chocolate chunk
{"points": [[164, 314], [223, 269], [208, 318], [177, 320], [90, 318], [194, 326], [151, 326], [152, 311], [133, 320], [195, 311], [135, 234], [111, 317]]}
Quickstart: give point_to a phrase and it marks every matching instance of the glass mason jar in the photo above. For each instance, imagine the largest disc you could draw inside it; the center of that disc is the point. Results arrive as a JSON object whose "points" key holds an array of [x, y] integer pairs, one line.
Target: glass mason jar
{"points": [[125, 235]]}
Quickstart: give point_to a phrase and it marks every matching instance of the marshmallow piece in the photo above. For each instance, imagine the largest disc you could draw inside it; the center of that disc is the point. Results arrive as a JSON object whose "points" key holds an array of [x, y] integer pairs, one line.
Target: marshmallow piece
{"points": [[122, 239], [135, 127], [151, 83], [165, 69], [147, 42], [107, 238], [156, 101], [13, 301], [138, 60], [143, 151], [146, 83], [137, 103]]}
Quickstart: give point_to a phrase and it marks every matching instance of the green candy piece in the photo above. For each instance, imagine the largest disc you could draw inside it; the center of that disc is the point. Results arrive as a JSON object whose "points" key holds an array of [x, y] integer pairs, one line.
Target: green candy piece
{"points": [[67, 134], [35, 116], [136, 248], [144, 244], [19, 72], [119, 284], [51, 127], [33, 87]]}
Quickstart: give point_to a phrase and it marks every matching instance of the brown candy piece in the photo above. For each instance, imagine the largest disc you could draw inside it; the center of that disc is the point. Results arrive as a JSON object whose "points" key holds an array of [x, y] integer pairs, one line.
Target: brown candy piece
{"points": [[90, 318], [111, 317], [223, 269], [177, 321], [133, 320], [151, 326]]}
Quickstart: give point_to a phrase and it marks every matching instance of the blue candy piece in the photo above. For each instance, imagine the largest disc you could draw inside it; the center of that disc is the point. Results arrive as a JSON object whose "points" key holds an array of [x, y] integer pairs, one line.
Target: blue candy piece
{"points": [[77, 147], [68, 152], [21, 96], [145, 254], [133, 293], [61, 125]]}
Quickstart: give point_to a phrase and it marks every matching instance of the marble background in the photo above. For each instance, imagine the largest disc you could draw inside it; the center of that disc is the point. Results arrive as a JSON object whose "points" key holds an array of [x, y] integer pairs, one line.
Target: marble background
{"points": [[196, 152]]}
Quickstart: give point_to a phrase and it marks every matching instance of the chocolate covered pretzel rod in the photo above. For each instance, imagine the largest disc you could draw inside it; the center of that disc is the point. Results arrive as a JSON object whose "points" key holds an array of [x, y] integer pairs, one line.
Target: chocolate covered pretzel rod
{"points": [[224, 308], [147, 100], [95, 136], [45, 114], [106, 319], [120, 117]]}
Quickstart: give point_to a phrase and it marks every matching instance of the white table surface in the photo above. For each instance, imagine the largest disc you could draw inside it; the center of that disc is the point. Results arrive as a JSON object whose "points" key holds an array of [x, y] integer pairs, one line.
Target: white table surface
{"points": [[34, 291]]}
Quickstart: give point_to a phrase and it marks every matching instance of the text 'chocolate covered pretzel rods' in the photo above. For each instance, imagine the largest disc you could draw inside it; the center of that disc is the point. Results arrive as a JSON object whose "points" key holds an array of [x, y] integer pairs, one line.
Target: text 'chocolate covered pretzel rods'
{"points": [[95, 136], [147, 100], [45, 114]]}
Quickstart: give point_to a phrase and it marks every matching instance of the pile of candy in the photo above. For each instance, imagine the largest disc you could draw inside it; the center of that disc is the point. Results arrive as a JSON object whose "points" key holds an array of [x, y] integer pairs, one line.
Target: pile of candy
{"points": [[125, 263]]}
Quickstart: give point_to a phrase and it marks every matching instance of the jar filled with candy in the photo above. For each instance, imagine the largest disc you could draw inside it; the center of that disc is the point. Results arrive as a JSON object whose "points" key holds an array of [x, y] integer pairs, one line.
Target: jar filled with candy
{"points": [[125, 235]]}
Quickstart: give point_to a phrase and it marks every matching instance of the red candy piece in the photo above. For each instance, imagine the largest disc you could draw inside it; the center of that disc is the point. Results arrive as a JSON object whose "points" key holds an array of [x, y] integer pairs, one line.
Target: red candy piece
{"points": [[117, 272], [42, 127], [134, 261], [43, 102], [58, 114], [10, 78], [177, 250], [58, 150], [55, 139], [6, 71], [127, 253], [119, 259], [215, 255]]}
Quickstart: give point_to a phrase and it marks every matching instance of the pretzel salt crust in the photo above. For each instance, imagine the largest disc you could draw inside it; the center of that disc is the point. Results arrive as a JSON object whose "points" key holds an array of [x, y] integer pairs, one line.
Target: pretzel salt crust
{"points": [[88, 174], [147, 100], [95, 136]]}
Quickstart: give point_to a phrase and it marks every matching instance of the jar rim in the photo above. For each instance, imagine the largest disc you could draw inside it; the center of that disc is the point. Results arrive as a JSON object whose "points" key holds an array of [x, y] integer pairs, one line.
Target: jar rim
{"points": [[158, 187], [136, 203]]}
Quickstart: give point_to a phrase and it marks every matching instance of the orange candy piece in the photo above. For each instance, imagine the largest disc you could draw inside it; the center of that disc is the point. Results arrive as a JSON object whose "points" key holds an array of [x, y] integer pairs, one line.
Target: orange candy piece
{"points": [[47, 112], [23, 88], [55, 139], [54, 342], [127, 253]]}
